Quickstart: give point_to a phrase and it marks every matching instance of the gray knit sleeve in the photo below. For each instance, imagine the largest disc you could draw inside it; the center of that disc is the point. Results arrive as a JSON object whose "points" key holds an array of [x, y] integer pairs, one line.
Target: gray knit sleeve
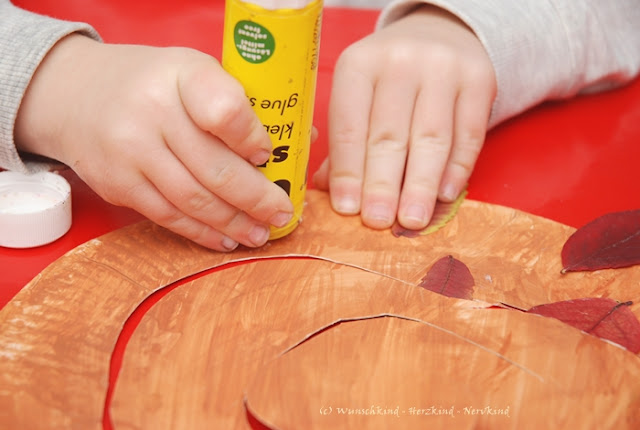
{"points": [[25, 39], [545, 50]]}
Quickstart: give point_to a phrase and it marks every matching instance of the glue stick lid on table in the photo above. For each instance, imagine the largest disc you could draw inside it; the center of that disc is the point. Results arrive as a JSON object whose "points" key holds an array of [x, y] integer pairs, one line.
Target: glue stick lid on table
{"points": [[34, 209], [280, 4]]}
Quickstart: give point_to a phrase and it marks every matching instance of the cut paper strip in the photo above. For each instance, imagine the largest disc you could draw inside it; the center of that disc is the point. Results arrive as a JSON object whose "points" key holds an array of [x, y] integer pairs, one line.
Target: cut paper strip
{"points": [[189, 360], [426, 377], [59, 332], [197, 350]]}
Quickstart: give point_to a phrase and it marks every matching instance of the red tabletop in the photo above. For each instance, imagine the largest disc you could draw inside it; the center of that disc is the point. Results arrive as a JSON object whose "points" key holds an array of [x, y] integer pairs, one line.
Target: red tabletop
{"points": [[568, 161]]}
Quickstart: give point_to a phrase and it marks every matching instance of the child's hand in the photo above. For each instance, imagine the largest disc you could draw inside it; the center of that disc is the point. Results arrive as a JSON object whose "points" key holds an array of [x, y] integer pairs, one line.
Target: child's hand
{"points": [[408, 116], [165, 131]]}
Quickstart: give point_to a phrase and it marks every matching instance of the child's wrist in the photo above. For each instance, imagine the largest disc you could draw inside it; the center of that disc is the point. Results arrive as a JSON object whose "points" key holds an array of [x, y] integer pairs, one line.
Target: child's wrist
{"points": [[39, 117]]}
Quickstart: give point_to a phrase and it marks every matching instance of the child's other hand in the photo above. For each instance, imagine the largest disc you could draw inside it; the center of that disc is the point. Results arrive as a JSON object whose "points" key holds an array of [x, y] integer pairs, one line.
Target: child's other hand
{"points": [[407, 118], [165, 131]]}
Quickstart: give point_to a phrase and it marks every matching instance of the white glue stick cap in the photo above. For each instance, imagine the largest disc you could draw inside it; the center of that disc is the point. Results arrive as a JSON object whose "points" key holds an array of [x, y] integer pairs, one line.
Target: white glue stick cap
{"points": [[280, 4], [34, 209]]}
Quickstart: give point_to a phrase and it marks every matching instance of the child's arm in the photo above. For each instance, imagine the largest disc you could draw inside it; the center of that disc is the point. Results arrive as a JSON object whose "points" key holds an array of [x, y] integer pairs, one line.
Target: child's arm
{"points": [[412, 101], [25, 39], [543, 50]]}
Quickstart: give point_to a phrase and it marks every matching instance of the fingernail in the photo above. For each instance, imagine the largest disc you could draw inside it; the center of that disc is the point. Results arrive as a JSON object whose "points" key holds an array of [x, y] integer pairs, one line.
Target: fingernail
{"points": [[346, 205], [229, 244], [449, 192], [379, 212], [281, 219], [260, 157], [415, 212], [259, 235]]}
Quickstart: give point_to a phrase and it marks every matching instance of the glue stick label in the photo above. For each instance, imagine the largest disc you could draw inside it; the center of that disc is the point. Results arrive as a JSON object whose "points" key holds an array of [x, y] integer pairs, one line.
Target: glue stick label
{"points": [[274, 55]]}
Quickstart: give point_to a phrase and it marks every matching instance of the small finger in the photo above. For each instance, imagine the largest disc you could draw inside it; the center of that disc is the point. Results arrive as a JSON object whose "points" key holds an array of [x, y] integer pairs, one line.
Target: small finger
{"points": [[151, 203], [226, 175], [349, 107], [217, 103], [473, 108], [430, 145], [387, 148], [191, 198]]}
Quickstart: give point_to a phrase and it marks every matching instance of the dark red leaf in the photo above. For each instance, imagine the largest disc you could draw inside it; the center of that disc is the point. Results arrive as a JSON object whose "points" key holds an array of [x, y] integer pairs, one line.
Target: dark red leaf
{"points": [[600, 317], [443, 212], [449, 277], [608, 242]]}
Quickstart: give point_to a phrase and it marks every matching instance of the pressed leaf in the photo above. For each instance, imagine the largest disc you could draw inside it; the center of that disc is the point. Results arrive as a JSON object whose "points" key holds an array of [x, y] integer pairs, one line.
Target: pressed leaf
{"points": [[608, 242], [602, 317], [443, 212], [450, 277]]}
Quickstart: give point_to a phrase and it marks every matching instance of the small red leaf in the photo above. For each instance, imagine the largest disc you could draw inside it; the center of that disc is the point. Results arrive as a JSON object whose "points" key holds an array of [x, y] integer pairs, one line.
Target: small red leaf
{"points": [[608, 242], [601, 317], [443, 212], [449, 277]]}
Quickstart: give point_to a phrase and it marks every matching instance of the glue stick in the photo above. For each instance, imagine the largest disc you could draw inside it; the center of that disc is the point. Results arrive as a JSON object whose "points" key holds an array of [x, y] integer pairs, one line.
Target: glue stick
{"points": [[271, 47]]}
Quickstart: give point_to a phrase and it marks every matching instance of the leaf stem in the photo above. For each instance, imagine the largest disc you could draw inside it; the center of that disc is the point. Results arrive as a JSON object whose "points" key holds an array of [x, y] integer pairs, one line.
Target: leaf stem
{"points": [[611, 311]]}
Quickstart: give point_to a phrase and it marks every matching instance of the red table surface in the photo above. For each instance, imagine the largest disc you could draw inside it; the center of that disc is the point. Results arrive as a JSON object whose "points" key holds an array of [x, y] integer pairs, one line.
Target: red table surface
{"points": [[568, 161]]}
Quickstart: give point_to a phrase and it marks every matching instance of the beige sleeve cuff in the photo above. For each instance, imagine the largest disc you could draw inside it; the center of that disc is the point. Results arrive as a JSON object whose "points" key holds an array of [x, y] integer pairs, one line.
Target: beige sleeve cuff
{"points": [[25, 39], [546, 50]]}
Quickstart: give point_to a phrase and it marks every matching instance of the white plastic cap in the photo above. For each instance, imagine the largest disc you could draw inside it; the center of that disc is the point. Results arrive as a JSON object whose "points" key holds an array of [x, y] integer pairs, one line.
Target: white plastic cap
{"points": [[34, 209]]}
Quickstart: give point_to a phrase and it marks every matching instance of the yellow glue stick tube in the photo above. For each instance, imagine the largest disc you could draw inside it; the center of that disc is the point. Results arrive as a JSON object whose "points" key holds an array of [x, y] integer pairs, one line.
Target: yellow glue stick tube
{"points": [[271, 47]]}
